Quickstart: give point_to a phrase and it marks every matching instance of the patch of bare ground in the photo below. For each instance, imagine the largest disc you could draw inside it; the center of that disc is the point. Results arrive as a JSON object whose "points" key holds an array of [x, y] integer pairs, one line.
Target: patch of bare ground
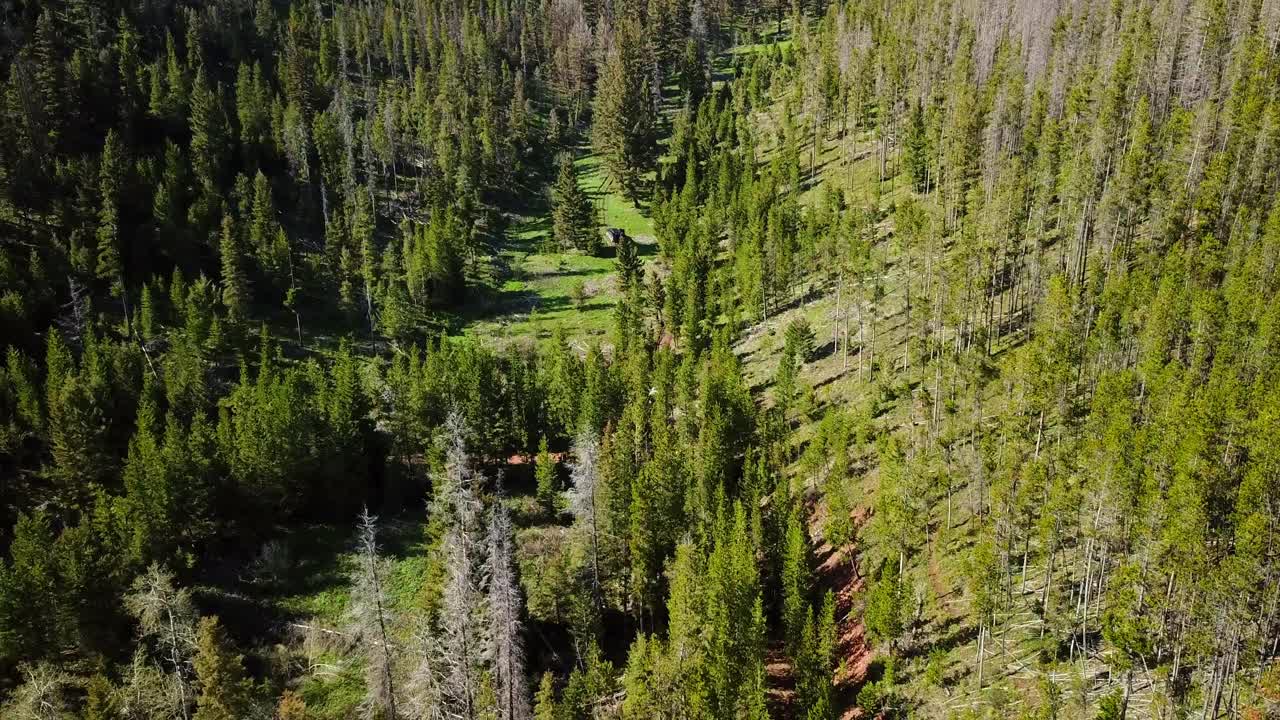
{"points": [[839, 571], [780, 682]]}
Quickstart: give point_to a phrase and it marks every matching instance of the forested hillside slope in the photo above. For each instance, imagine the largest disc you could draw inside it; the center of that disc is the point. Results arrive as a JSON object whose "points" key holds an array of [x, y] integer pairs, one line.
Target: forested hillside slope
{"points": [[929, 365]]}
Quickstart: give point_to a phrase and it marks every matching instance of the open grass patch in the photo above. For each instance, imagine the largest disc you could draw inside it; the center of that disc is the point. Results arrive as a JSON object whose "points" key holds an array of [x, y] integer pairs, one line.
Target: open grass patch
{"points": [[334, 690], [612, 207]]}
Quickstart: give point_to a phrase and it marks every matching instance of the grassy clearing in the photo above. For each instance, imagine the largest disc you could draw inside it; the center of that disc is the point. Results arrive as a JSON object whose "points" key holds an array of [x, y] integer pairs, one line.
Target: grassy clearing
{"points": [[322, 559], [313, 595], [549, 291], [546, 288], [614, 209]]}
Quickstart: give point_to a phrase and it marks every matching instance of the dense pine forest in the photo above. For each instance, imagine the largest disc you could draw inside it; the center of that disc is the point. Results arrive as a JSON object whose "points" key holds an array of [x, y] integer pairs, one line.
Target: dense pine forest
{"points": [[688, 359]]}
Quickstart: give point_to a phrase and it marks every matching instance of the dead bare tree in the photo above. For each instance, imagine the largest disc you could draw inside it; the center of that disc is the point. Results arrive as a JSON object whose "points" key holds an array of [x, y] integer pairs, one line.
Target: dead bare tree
{"points": [[370, 616], [570, 75], [585, 500], [147, 691], [453, 653], [505, 604], [43, 695], [167, 617]]}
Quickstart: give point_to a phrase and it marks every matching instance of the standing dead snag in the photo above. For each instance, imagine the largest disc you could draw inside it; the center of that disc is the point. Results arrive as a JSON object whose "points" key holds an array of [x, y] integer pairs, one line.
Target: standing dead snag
{"points": [[505, 608], [166, 615], [453, 655], [470, 660], [370, 616], [43, 695], [584, 499], [424, 692]]}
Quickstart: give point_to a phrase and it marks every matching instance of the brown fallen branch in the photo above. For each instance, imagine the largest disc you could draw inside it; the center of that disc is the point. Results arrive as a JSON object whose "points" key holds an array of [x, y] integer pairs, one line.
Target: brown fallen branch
{"points": [[313, 628]]}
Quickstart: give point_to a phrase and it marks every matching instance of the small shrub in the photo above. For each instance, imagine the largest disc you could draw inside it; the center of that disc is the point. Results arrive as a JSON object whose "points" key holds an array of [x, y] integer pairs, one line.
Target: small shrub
{"points": [[935, 671], [1111, 707]]}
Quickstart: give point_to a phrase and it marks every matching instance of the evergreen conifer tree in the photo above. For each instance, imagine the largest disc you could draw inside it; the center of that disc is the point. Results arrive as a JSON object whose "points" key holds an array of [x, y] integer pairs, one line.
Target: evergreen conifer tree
{"points": [[223, 688], [622, 130], [573, 217], [235, 286]]}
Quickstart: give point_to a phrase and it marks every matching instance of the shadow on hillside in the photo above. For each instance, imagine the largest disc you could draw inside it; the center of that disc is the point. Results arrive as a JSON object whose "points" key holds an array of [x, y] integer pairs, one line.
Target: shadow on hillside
{"points": [[829, 379], [524, 301], [811, 176], [258, 600], [959, 634], [945, 628], [527, 234]]}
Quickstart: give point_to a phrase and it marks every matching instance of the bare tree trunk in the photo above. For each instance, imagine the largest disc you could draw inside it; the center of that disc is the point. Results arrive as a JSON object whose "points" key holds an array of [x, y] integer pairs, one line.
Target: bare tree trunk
{"points": [[370, 585], [982, 637], [1044, 594], [176, 659], [584, 501]]}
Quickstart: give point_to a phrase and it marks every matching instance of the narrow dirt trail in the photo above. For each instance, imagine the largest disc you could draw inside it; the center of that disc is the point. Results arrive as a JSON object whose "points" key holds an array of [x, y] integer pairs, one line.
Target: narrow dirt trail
{"points": [[780, 683]]}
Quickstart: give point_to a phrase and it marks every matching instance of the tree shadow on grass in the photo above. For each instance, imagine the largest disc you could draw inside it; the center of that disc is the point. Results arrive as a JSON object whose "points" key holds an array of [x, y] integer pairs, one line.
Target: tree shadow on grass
{"points": [[945, 628], [313, 565], [566, 272], [829, 379], [519, 305], [959, 634], [528, 235], [555, 304]]}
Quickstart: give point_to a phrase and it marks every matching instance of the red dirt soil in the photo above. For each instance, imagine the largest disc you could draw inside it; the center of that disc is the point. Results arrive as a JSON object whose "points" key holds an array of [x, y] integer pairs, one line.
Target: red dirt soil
{"points": [[837, 571]]}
